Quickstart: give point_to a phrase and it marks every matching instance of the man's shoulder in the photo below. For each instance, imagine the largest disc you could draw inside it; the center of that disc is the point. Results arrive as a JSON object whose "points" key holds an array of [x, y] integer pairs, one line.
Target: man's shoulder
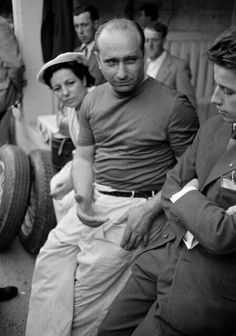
{"points": [[99, 89], [212, 124], [97, 92], [169, 102], [152, 84], [77, 49], [175, 60], [170, 95]]}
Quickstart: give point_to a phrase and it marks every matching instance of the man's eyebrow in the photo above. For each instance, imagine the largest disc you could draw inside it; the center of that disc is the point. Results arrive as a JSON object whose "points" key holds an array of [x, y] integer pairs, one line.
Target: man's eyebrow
{"points": [[111, 59], [116, 59], [227, 87]]}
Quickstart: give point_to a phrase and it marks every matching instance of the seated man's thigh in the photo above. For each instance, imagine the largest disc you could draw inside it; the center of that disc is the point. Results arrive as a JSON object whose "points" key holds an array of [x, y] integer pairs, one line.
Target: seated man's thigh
{"points": [[133, 303]]}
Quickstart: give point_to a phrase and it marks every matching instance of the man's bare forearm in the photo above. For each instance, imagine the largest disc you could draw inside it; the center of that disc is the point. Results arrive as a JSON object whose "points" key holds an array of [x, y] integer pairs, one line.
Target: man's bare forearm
{"points": [[82, 176]]}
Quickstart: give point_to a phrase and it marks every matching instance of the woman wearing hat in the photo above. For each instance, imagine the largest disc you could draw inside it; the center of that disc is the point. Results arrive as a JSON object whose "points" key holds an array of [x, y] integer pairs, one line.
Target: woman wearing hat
{"points": [[68, 77]]}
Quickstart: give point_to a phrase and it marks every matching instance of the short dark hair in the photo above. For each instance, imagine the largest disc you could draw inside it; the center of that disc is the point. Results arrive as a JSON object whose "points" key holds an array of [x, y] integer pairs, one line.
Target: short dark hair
{"points": [[121, 24], [223, 50], [151, 10], [92, 10], [80, 70], [160, 28]]}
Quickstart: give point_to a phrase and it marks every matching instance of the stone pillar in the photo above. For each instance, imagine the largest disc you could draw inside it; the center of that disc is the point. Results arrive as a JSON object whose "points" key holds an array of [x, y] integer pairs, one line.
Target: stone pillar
{"points": [[37, 98]]}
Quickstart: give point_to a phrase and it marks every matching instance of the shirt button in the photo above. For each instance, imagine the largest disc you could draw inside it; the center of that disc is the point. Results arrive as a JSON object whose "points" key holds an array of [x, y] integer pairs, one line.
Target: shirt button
{"points": [[165, 235], [177, 219]]}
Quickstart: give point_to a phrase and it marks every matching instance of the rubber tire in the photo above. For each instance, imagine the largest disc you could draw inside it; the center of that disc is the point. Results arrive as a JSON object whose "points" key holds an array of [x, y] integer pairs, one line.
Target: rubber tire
{"points": [[12, 130], [40, 216], [15, 192]]}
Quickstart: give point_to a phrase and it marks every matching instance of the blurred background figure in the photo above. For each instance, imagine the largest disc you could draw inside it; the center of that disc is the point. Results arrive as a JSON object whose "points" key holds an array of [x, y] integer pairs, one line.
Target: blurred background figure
{"points": [[148, 14], [57, 30], [166, 68], [11, 68], [85, 24]]}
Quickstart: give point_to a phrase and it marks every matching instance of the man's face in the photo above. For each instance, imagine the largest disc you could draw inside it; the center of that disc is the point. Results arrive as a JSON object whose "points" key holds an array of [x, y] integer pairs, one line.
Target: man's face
{"points": [[224, 95], [121, 59], [153, 43], [84, 27]]}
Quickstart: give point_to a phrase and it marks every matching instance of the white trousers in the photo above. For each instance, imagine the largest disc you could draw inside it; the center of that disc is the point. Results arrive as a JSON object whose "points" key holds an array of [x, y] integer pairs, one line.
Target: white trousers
{"points": [[63, 205], [81, 265]]}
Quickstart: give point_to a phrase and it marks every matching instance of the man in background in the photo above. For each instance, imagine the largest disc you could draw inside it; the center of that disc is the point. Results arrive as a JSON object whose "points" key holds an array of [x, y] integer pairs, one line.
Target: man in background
{"points": [[86, 23], [148, 14], [161, 65], [11, 68]]}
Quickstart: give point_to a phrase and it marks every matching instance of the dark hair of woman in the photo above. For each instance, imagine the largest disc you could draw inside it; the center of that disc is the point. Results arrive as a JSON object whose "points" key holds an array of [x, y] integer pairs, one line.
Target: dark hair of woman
{"points": [[80, 70]]}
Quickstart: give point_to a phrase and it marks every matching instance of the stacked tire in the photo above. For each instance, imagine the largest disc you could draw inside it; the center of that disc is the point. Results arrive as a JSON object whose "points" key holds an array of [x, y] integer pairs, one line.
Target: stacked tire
{"points": [[39, 217], [14, 191], [26, 207]]}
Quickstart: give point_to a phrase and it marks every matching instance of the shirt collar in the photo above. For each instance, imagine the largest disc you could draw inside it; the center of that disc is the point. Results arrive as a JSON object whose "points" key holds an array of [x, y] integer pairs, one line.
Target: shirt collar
{"points": [[159, 59], [89, 47]]}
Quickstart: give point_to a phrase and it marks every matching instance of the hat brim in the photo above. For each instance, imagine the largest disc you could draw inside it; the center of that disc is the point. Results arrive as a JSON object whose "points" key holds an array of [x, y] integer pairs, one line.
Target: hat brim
{"points": [[62, 58]]}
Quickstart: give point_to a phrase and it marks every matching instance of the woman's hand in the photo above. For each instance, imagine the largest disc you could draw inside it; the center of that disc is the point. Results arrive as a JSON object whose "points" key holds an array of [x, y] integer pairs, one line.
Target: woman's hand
{"points": [[61, 183], [61, 189]]}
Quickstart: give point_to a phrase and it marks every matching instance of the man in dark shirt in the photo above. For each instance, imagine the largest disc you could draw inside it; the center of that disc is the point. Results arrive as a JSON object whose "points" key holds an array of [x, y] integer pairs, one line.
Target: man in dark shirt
{"points": [[185, 284], [132, 131]]}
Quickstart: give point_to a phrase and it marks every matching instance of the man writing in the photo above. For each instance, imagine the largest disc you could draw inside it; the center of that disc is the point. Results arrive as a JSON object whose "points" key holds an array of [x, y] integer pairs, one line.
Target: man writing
{"points": [[132, 130], [185, 284]]}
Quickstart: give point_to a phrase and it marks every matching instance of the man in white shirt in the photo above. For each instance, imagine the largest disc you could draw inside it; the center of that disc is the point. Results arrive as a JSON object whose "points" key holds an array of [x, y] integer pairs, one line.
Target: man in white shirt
{"points": [[166, 68], [86, 23], [186, 284]]}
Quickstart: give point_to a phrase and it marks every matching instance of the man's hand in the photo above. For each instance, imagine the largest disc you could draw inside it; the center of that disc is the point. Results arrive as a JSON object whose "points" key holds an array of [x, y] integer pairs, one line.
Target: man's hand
{"points": [[138, 223], [87, 214]]}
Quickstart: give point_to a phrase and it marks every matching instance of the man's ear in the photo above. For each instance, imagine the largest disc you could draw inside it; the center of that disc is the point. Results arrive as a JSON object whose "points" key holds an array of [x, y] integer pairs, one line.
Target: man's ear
{"points": [[97, 58], [96, 24], [164, 41], [84, 81]]}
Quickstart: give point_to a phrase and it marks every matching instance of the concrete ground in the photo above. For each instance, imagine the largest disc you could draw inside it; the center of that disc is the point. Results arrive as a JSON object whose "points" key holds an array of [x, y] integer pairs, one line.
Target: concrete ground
{"points": [[16, 268]]}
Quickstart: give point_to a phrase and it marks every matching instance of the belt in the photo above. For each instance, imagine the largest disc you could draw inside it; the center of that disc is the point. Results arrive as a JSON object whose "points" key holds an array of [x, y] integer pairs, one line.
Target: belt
{"points": [[138, 194]]}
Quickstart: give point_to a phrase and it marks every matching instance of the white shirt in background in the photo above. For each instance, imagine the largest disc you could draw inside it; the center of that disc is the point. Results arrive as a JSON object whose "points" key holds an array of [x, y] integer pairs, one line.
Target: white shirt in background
{"points": [[154, 66]]}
